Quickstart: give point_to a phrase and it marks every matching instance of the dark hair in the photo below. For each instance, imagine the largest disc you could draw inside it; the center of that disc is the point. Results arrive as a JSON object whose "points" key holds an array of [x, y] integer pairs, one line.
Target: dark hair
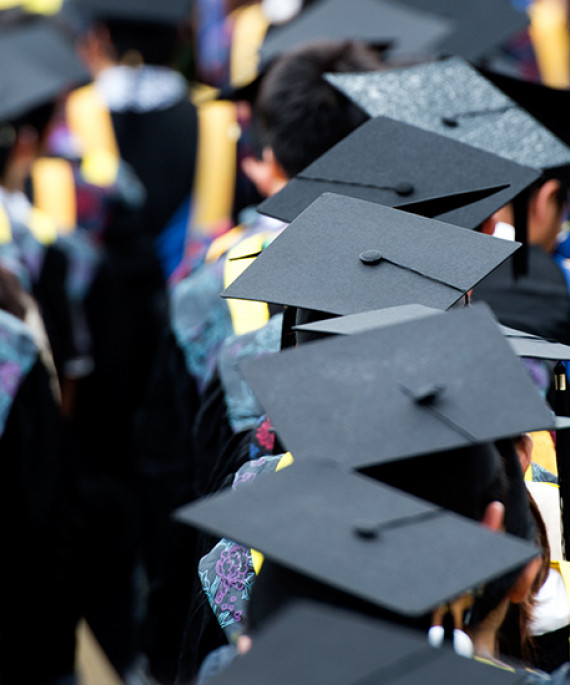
{"points": [[11, 294], [155, 43], [297, 113], [38, 118], [463, 480]]}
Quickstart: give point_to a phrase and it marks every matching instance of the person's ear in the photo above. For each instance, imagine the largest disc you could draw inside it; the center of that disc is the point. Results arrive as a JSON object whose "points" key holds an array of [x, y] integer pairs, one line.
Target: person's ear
{"points": [[545, 215], [494, 516], [543, 198]]}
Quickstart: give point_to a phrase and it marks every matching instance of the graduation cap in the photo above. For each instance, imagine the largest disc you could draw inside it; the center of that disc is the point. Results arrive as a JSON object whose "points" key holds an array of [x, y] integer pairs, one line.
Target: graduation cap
{"points": [[343, 255], [548, 105], [367, 321], [528, 345], [381, 23], [312, 644], [453, 99], [523, 344], [361, 537], [480, 28], [151, 11], [537, 302], [433, 384], [43, 66], [399, 165]]}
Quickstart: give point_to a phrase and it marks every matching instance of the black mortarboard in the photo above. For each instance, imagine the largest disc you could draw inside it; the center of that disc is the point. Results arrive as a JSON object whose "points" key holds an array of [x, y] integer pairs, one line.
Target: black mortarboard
{"points": [[434, 384], [523, 344], [43, 66], [548, 105], [361, 322], [451, 98], [528, 345], [381, 23], [360, 537], [537, 303], [343, 255], [312, 644], [163, 12], [481, 27], [397, 165]]}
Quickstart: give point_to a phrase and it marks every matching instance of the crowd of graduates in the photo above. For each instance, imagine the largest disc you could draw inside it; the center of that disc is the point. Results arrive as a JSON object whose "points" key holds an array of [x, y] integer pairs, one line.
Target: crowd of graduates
{"points": [[284, 330]]}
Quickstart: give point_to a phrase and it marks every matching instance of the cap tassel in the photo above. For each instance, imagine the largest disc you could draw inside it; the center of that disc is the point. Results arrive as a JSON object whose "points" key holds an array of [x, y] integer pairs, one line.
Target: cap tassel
{"points": [[520, 258]]}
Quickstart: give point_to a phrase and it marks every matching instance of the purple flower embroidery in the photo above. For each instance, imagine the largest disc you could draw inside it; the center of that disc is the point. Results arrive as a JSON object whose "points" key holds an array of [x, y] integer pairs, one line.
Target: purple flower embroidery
{"points": [[9, 376], [231, 568], [243, 478]]}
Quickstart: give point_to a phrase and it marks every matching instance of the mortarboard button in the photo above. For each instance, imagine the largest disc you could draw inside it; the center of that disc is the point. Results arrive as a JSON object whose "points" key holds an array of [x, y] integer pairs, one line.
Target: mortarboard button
{"points": [[404, 188], [389, 539], [452, 98], [366, 529], [455, 181], [371, 257], [424, 261], [409, 381], [425, 394]]}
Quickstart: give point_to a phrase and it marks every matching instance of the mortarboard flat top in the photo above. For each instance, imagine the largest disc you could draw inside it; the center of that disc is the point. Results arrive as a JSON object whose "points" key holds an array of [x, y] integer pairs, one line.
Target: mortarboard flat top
{"points": [[361, 322], [481, 27], [397, 165], [548, 105], [528, 345], [312, 644], [434, 384], [377, 22], [43, 65], [163, 12], [523, 344], [356, 535], [319, 261], [451, 98]]}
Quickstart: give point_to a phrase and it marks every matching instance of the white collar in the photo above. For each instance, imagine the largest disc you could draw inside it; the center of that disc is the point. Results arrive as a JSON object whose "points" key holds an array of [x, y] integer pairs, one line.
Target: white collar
{"points": [[140, 89]]}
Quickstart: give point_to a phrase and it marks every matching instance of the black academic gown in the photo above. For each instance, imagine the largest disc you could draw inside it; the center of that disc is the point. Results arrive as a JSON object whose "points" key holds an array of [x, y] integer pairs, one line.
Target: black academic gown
{"points": [[537, 302], [127, 315], [39, 581]]}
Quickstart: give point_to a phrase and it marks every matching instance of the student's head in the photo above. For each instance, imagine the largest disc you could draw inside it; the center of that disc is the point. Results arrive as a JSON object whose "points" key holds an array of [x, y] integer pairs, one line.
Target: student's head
{"points": [[137, 42], [21, 142], [298, 115], [547, 203], [482, 482]]}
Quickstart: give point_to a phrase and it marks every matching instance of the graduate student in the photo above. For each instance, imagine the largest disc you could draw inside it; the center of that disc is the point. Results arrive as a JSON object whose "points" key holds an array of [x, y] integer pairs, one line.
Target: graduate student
{"points": [[173, 467], [463, 479], [455, 100]]}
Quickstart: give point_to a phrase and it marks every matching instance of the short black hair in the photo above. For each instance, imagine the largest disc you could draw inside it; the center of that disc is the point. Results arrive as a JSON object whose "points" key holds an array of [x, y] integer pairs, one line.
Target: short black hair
{"points": [[155, 43], [298, 114]]}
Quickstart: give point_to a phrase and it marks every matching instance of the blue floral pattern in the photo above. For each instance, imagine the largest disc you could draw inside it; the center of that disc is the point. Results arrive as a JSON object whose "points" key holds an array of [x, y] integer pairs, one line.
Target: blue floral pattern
{"points": [[18, 353], [243, 408], [201, 320], [226, 572]]}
